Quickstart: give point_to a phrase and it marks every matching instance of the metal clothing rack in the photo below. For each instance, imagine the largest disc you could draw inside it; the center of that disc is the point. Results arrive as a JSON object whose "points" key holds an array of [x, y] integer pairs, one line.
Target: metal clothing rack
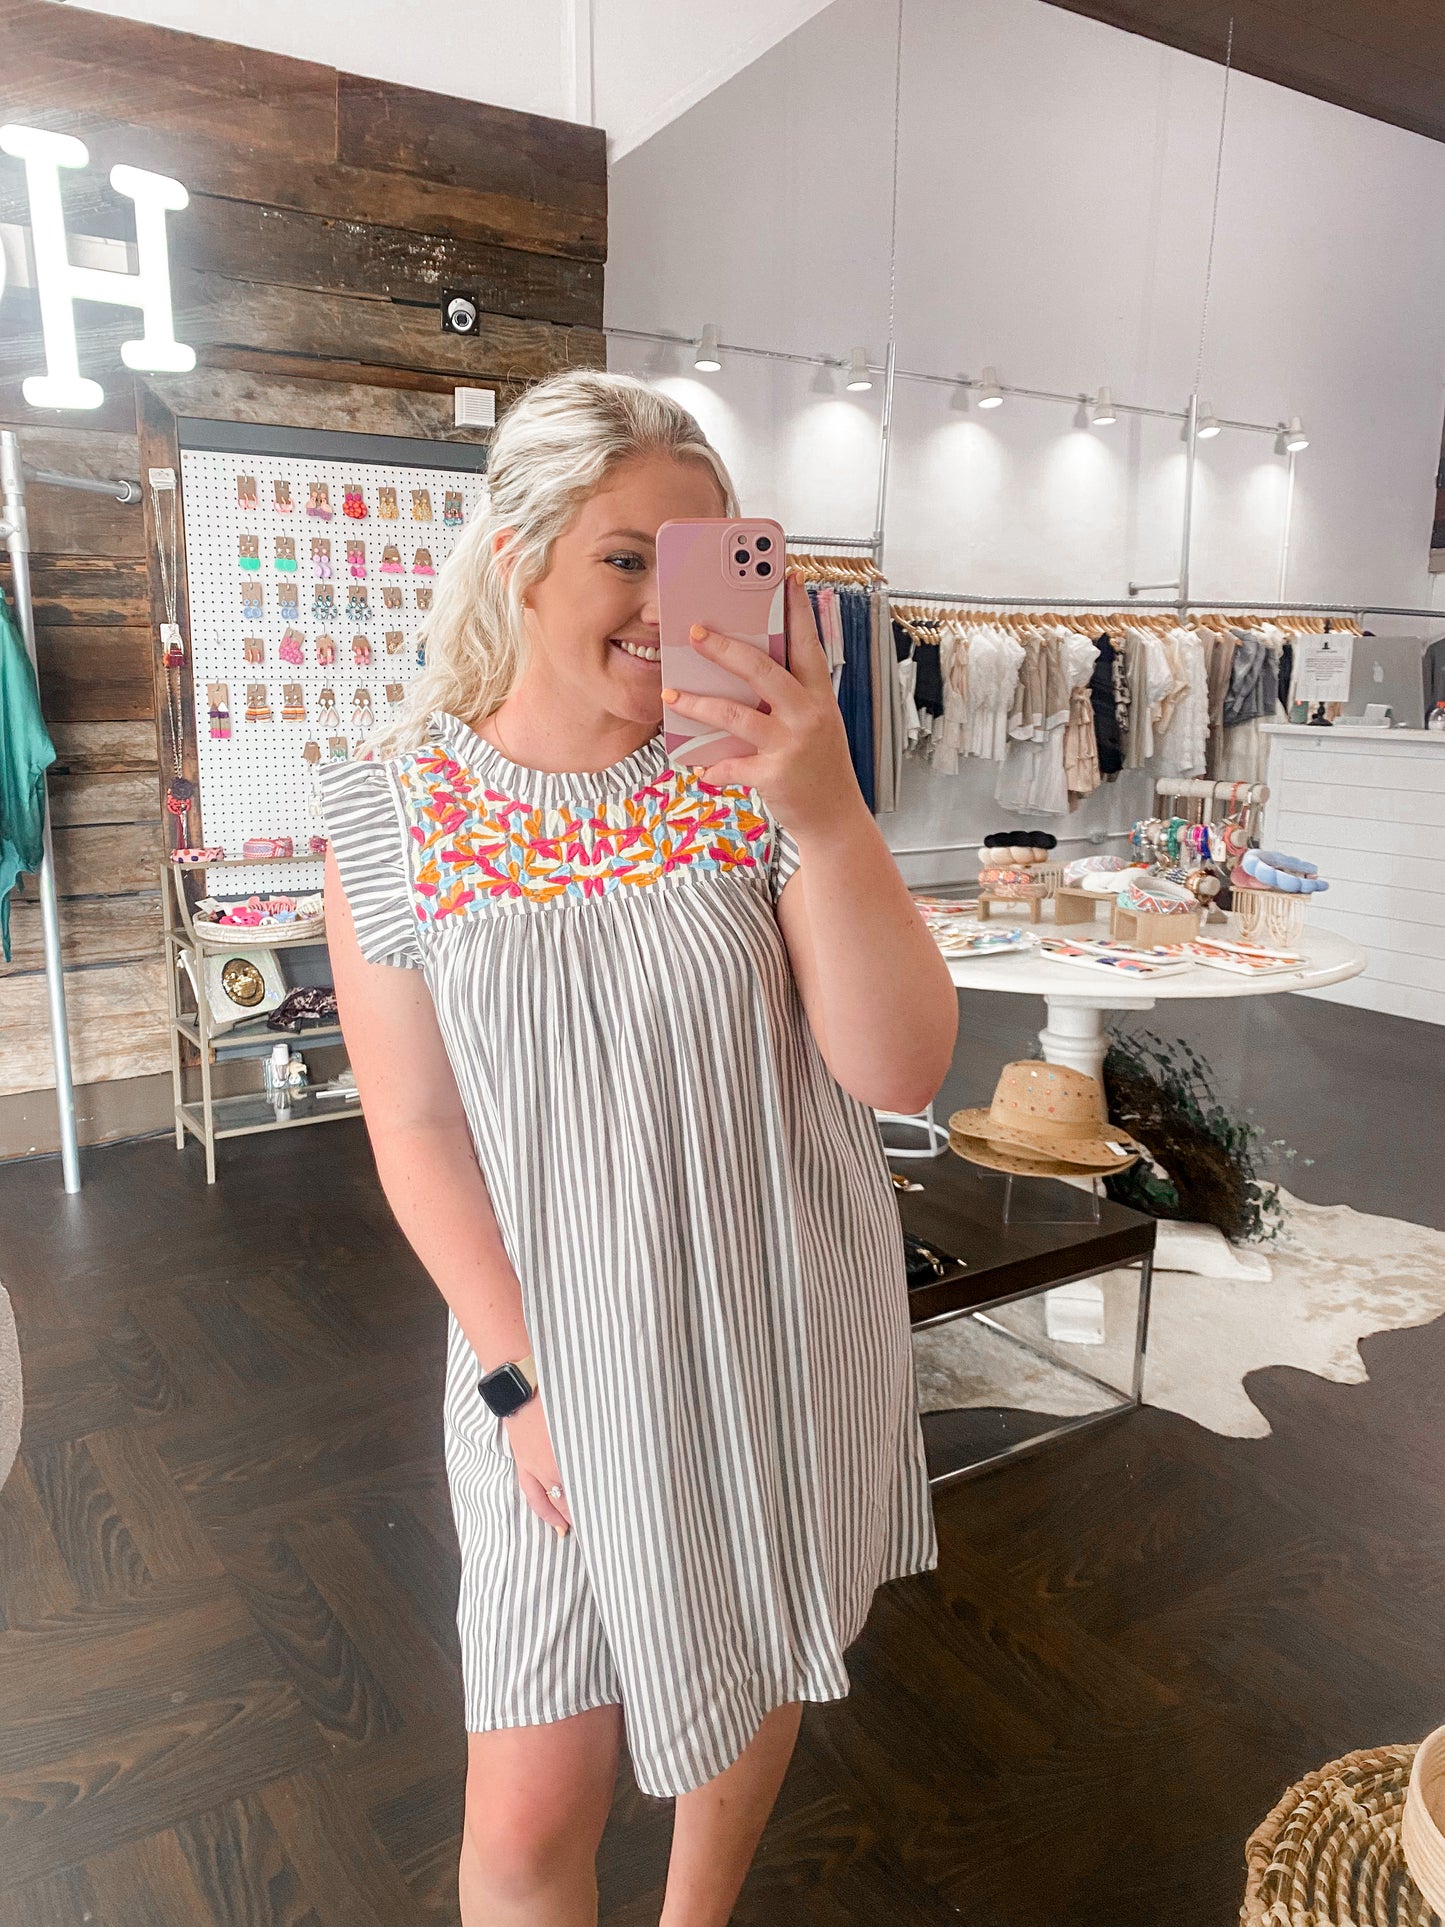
{"points": [[1122, 604], [14, 525]]}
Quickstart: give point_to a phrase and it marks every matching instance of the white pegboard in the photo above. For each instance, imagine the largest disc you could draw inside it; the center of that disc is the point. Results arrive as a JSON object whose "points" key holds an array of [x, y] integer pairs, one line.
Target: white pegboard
{"points": [[257, 783]]}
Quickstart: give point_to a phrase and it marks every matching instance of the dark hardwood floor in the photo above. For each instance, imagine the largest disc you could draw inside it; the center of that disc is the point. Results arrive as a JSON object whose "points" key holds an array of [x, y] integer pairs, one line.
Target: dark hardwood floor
{"points": [[228, 1684]]}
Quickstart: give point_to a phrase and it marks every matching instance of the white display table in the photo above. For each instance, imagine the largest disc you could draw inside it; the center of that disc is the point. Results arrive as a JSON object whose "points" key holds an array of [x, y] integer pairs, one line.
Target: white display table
{"points": [[1079, 999]]}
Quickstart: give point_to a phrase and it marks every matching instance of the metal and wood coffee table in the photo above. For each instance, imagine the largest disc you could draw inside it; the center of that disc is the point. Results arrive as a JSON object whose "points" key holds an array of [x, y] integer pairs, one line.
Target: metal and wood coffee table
{"points": [[1007, 1273]]}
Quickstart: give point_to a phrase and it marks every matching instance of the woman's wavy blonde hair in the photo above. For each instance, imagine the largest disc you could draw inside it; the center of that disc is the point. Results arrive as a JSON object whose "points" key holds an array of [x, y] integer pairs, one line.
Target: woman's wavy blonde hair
{"points": [[556, 446]]}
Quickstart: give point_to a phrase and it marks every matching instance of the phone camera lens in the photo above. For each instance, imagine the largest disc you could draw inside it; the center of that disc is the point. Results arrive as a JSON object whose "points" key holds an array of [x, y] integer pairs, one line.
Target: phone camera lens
{"points": [[741, 555], [765, 568], [762, 542]]}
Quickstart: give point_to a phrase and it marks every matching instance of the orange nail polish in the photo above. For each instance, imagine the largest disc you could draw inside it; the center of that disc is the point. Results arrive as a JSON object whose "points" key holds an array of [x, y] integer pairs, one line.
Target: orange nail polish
{"points": [[697, 632], [669, 695]]}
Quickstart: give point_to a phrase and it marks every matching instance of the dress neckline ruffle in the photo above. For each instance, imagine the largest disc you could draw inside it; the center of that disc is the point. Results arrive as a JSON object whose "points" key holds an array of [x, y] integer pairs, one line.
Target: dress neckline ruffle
{"points": [[549, 787]]}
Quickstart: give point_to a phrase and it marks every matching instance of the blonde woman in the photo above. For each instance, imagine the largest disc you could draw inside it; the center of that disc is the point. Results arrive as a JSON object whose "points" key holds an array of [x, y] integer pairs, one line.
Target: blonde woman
{"points": [[618, 1095]]}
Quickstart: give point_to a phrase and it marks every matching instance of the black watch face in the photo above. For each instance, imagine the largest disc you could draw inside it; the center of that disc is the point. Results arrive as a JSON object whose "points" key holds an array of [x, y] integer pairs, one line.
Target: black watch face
{"points": [[505, 1390]]}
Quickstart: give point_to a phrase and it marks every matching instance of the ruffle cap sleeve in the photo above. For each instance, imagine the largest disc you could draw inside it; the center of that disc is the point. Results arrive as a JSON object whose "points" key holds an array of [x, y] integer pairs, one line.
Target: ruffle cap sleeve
{"points": [[782, 858], [361, 812]]}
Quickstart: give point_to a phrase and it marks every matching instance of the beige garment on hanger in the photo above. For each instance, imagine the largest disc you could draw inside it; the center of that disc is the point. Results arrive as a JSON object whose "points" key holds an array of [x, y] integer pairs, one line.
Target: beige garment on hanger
{"points": [[1081, 747], [887, 706]]}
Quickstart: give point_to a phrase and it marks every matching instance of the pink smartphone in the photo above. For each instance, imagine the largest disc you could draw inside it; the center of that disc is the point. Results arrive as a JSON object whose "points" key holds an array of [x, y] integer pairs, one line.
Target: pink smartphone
{"points": [[730, 576]]}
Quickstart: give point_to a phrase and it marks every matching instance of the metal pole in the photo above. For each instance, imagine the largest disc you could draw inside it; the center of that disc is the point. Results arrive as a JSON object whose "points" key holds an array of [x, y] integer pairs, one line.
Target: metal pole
{"points": [[1191, 433], [1288, 520], [884, 434], [17, 540], [122, 491]]}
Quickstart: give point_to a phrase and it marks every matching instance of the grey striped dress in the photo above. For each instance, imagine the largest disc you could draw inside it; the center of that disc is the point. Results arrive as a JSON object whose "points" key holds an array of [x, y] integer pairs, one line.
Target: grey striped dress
{"points": [[703, 1227]]}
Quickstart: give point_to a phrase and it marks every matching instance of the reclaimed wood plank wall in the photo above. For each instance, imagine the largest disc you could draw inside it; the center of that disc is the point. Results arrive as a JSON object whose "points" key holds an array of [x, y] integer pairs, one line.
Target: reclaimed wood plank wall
{"points": [[327, 213]]}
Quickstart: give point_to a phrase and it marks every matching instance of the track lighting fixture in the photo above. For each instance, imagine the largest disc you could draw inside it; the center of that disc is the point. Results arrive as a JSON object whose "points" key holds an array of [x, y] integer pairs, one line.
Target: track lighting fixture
{"points": [[1102, 414], [1206, 423], [707, 360], [1293, 436], [858, 375], [990, 395]]}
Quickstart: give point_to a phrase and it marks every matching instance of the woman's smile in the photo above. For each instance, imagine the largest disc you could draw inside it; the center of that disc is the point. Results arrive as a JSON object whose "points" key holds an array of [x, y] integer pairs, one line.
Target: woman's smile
{"points": [[638, 648]]}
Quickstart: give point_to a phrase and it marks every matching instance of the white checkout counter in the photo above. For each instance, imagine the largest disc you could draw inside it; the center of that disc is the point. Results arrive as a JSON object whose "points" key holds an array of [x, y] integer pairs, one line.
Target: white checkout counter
{"points": [[1368, 806]]}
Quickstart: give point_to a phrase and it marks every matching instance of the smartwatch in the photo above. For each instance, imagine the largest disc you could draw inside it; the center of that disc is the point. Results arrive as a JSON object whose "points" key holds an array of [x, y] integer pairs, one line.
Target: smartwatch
{"points": [[509, 1386]]}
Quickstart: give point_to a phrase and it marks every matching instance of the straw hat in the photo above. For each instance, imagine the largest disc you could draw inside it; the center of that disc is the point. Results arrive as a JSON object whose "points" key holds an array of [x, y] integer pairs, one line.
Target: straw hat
{"points": [[1044, 1112], [1018, 1164]]}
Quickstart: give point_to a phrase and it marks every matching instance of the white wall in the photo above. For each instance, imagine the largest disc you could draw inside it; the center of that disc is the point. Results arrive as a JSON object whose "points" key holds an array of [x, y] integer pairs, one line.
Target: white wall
{"points": [[1056, 179], [649, 59]]}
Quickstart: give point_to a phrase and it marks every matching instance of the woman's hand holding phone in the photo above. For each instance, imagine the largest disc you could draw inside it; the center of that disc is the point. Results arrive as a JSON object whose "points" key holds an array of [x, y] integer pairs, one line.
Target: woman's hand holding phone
{"points": [[801, 766]]}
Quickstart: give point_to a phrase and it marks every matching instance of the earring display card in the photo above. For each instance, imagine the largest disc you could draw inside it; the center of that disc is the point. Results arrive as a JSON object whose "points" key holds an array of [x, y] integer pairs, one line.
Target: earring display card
{"points": [[256, 775]]}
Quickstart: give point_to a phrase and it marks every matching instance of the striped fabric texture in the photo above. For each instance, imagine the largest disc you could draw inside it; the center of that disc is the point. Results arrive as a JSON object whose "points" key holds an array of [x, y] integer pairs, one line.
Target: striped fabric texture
{"points": [[705, 1234]]}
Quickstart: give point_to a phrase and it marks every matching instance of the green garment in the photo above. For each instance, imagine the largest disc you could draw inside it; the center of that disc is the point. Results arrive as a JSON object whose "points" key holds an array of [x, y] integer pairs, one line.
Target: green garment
{"points": [[26, 752]]}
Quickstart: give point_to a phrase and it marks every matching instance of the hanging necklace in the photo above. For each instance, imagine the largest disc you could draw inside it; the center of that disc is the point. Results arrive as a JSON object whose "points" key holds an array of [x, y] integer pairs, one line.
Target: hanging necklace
{"points": [[180, 790]]}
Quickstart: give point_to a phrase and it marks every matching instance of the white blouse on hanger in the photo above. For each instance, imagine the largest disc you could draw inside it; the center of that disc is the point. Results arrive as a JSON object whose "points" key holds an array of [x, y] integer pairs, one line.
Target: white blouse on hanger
{"points": [[1181, 734]]}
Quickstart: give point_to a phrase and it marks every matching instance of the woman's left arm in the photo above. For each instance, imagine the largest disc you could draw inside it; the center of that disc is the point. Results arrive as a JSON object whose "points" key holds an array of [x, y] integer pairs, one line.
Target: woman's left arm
{"points": [[875, 986]]}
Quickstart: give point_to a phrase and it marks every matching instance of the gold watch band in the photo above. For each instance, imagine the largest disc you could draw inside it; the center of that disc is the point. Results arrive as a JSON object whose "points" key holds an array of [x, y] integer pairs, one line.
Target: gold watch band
{"points": [[527, 1366]]}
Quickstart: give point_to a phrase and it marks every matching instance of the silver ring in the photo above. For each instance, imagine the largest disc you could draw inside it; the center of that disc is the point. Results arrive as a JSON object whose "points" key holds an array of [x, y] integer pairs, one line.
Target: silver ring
{"points": [[554, 1491]]}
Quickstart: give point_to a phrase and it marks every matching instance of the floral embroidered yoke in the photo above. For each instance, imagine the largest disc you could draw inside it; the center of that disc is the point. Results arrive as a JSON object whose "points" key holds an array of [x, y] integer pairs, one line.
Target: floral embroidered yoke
{"points": [[472, 842], [702, 1226]]}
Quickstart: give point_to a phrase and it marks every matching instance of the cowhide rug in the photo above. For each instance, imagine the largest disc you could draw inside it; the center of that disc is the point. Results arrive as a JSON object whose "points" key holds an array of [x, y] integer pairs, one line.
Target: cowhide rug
{"points": [[1338, 1274], [9, 1387]]}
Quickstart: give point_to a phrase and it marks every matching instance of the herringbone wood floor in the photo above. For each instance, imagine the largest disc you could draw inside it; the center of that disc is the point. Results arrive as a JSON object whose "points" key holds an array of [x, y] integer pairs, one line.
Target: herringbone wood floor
{"points": [[228, 1684]]}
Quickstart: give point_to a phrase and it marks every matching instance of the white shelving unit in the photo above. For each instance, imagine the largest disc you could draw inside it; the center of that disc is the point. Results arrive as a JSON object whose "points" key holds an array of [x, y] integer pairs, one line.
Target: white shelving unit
{"points": [[209, 1117]]}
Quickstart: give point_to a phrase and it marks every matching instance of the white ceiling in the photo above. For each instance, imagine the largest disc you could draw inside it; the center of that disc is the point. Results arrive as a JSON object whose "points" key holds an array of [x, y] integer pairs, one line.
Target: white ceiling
{"points": [[630, 66]]}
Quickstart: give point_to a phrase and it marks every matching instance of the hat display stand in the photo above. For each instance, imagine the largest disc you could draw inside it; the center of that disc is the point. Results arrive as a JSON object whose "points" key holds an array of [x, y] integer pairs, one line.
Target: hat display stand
{"points": [[1048, 1200]]}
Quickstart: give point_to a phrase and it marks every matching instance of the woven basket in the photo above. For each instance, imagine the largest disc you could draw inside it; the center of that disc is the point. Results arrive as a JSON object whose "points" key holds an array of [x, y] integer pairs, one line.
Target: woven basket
{"points": [[1329, 1853], [256, 936]]}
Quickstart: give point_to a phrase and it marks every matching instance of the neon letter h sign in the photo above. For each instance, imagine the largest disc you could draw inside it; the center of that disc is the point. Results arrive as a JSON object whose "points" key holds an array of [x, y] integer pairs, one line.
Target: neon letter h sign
{"points": [[61, 284]]}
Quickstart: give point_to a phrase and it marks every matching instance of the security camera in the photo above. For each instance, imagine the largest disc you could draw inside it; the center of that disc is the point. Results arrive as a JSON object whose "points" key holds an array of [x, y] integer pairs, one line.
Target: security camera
{"points": [[459, 313]]}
